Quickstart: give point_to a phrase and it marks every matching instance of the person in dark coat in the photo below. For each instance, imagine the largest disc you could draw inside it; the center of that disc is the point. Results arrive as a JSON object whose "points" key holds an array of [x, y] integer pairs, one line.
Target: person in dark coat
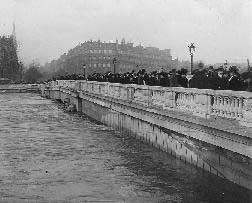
{"points": [[163, 79], [234, 82], [222, 79], [173, 78], [182, 80], [247, 77], [212, 78], [199, 80]]}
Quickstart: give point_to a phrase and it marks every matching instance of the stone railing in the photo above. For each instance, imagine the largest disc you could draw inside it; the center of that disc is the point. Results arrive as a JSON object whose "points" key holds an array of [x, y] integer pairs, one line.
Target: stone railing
{"points": [[235, 105], [71, 84], [20, 86]]}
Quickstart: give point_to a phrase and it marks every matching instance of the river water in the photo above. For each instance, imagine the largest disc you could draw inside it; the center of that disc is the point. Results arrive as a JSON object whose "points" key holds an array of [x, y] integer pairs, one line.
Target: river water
{"points": [[49, 155]]}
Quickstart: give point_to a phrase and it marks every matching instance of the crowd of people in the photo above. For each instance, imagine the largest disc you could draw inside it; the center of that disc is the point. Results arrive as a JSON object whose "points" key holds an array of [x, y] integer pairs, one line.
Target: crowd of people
{"points": [[208, 78]]}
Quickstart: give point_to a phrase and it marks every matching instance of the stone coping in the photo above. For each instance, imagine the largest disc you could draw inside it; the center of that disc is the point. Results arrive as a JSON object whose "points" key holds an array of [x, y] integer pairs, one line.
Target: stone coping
{"points": [[227, 93], [215, 122]]}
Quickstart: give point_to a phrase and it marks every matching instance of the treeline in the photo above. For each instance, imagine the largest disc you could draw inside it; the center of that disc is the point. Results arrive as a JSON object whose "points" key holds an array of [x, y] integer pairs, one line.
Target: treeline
{"points": [[10, 67]]}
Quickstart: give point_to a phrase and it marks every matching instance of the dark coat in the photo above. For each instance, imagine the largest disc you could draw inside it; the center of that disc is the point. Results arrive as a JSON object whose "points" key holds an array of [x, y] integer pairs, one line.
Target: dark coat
{"points": [[235, 83], [199, 80], [182, 81]]}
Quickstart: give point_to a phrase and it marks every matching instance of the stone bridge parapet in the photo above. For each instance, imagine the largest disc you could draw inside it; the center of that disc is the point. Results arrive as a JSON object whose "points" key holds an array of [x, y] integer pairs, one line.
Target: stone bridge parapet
{"points": [[231, 105]]}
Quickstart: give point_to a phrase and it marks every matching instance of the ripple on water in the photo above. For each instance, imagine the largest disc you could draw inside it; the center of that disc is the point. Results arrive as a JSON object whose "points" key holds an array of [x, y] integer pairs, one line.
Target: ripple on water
{"points": [[49, 155]]}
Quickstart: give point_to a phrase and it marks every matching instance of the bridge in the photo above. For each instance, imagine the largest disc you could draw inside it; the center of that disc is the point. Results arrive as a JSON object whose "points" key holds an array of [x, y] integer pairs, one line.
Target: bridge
{"points": [[206, 128], [19, 88]]}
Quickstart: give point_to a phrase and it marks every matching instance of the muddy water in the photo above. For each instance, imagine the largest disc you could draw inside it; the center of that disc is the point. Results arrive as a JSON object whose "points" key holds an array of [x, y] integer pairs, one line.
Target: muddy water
{"points": [[48, 155]]}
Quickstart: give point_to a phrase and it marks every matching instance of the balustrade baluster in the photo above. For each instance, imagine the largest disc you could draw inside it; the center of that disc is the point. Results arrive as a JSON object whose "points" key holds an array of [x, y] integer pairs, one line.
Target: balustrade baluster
{"points": [[228, 107], [236, 107], [240, 106], [192, 102], [177, 101], [184, 100], [218, 106], [213, 110], [232, 107], [225, 114], [222, 106], [180, 100]]}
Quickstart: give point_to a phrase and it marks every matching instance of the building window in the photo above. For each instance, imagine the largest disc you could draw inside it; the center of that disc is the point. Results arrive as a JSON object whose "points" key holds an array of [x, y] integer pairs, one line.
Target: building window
{"points": [[99, 65], [94, 65], [108, 64], [104, 65]]}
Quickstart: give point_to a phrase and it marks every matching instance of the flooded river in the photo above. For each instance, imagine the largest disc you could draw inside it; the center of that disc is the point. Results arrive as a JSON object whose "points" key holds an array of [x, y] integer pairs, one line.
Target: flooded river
{"points": [[49, 155]]}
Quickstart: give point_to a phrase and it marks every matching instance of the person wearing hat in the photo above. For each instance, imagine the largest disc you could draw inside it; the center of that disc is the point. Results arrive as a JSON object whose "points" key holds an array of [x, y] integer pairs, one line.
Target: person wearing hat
{"points": [[234, 82], [182, 80], [222, 79]]}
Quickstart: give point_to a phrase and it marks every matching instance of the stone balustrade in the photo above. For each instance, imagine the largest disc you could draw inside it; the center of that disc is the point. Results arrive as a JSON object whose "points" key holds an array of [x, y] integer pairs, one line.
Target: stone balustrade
{"points": [[20, 86], [236, 105], [71, 84]]}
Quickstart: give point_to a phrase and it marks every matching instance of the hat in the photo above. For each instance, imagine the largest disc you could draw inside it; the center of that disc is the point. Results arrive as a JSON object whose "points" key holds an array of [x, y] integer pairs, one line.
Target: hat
{"points": [[220, 69], [233, 69]]}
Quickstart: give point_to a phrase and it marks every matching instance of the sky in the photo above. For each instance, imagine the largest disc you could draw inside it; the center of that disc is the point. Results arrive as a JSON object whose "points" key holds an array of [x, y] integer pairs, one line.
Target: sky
{"points": [[45, 29]]}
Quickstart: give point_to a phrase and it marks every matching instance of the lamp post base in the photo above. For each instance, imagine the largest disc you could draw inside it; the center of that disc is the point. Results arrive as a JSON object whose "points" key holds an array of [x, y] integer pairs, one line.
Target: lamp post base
{"points": [[189, 77]]}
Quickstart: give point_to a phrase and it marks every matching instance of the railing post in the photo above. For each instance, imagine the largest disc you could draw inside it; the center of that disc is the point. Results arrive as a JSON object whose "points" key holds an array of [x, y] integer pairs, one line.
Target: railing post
{"points": [[150, 94], [174, 99], [209, 105], [130, 93], [201, 105]]}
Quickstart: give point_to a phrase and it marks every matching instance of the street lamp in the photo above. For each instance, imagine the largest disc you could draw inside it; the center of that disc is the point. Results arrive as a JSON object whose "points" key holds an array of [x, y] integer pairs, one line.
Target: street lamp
{"points": [[191, 51], [84, 70], [249, 68], [114, 64]]}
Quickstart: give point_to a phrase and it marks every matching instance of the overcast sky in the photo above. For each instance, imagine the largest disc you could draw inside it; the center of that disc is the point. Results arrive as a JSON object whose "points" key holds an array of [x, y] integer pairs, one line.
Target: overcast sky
{"points": [[45, 29]]}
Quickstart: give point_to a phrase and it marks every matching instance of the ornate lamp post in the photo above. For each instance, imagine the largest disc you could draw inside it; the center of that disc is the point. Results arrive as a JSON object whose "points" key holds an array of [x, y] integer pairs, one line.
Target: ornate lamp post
{"points": [[191, 51], [84, 70], [226, 65], [114, 64]]}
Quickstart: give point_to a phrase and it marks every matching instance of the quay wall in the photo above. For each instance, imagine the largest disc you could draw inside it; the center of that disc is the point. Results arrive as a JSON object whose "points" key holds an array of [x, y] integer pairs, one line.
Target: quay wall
{"points": [[219, 145]]}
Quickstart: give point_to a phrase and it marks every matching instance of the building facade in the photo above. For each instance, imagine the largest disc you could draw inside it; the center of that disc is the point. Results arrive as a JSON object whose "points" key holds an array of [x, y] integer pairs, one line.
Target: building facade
{"points": [[116, 57]]}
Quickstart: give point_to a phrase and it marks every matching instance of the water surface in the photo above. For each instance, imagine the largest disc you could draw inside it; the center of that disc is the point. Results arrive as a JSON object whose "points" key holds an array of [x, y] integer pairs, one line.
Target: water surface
{"points": [[49, 155]]}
